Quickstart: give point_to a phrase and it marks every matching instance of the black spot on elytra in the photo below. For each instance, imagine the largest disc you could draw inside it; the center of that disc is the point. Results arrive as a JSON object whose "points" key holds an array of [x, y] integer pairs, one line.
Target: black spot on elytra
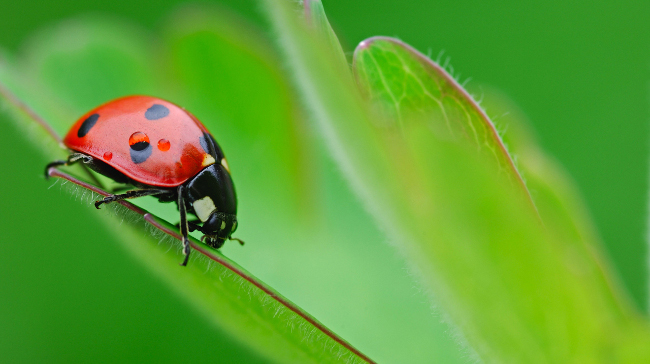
{"points": [[156, 112], [140, 151], [139, 146], [87, 125]]}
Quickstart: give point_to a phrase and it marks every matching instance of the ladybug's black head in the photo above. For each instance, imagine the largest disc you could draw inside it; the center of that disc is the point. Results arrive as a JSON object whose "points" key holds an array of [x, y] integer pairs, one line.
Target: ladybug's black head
{"points": [[218, 228]]}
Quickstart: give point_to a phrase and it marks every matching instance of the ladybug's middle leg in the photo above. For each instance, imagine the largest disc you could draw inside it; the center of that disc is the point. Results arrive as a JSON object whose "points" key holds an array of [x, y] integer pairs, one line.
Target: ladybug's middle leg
{"points": [[131, 194]]}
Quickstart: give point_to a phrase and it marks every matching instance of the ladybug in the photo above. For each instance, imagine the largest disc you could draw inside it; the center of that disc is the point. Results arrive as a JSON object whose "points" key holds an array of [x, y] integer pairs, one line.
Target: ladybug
{"points": [[164, 151]]}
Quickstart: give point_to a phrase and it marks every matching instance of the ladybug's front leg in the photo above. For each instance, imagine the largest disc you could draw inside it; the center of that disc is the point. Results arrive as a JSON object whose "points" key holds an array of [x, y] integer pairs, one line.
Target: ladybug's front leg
{"points": [[72, 158]]}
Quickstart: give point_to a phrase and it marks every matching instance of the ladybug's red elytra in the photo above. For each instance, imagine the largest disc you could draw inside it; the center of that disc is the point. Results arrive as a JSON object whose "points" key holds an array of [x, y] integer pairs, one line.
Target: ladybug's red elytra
{"points": [[165, 152]]}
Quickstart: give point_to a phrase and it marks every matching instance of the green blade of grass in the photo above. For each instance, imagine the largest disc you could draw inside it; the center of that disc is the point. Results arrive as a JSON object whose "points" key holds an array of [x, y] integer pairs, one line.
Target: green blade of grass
{"points": [[220, 290], [259, 318], [517, 292]]}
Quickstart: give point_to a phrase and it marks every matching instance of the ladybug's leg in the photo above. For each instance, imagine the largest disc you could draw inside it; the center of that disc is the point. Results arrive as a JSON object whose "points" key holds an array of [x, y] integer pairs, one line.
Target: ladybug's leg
{"points": [[123, 188], [186, 241], [53, 164], [192, 225], [72, 158], [130, 194]]}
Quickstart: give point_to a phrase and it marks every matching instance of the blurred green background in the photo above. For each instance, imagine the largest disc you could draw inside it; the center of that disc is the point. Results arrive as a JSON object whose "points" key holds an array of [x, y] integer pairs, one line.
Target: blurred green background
{"points": [[579, 71]]}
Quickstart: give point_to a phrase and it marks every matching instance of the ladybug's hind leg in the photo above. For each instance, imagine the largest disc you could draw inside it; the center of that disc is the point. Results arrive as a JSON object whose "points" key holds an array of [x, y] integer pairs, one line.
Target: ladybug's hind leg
{"points": [[131, 194]]}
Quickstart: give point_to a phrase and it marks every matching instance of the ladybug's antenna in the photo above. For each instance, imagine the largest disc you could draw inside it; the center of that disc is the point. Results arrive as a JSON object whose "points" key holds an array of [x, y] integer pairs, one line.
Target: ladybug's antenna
{"points": [[241, 242]]}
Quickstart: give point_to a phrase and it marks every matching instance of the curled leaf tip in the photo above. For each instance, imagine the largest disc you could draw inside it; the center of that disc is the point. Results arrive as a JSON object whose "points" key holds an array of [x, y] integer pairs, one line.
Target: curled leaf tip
{"points": [[363, 45]]}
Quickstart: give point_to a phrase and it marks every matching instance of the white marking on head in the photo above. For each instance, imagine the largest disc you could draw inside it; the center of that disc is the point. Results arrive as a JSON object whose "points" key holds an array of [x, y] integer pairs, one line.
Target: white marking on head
{"points": [[207, 160], [225, 164], [204, 207], [223, 225]]}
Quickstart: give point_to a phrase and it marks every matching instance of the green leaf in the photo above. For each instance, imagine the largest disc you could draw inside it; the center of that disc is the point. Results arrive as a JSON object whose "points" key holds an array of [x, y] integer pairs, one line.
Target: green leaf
{"points": [[555, 194], [408, 87], [517, 291], [291, 195], [245, 100], [275, 330], [317, 19]]}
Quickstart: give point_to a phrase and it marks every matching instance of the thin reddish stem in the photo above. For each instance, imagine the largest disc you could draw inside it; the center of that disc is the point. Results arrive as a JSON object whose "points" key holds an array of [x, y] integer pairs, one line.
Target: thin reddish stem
{"points": [[53, 172], [14, 100]]}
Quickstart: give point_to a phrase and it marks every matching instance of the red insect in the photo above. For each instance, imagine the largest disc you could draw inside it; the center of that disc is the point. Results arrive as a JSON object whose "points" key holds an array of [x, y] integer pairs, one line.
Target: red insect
{"points": [[164, 151]]}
